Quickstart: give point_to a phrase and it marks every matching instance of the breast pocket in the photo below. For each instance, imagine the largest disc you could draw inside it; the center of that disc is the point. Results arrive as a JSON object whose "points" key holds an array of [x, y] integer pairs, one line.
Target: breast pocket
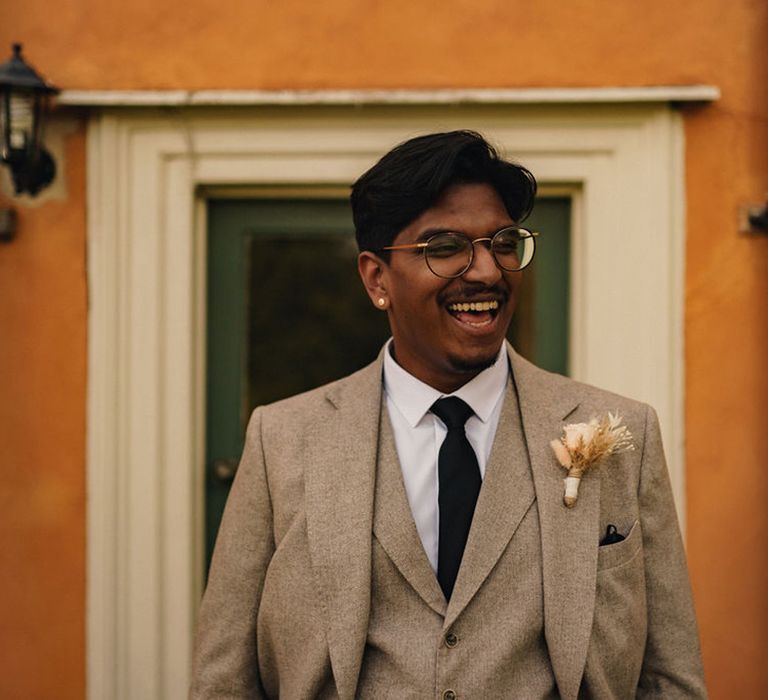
{"points": [[610, 556]]}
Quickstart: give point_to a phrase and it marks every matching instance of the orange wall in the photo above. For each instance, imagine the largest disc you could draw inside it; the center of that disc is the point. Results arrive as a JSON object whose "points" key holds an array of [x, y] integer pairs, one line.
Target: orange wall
{"points": [[42, 444], [370, 43], [726, 404], [102, 44]]}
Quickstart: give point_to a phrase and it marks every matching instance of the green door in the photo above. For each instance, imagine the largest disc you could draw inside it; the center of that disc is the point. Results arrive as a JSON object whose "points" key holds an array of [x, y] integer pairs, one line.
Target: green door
{"points": [[287, 312]]}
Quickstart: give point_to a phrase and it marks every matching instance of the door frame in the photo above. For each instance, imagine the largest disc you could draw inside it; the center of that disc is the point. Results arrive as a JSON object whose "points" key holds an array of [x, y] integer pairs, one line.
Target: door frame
{"points": [[147, 175]]}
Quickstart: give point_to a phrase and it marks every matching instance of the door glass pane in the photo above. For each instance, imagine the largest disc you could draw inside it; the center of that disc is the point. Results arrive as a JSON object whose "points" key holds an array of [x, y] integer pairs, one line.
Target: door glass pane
{"points": [[540, 328], [309, 319]]}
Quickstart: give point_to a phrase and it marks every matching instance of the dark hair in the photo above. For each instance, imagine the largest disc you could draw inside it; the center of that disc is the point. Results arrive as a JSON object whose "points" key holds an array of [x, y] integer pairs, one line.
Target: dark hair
{"points": [[412, 176]]}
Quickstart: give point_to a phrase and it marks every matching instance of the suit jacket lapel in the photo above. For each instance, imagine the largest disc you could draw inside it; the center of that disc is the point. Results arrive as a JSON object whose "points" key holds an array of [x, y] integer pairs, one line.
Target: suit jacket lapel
{"points": [[340, 484], [506, 495], [339, 480], [569, 536], [394, 526]]}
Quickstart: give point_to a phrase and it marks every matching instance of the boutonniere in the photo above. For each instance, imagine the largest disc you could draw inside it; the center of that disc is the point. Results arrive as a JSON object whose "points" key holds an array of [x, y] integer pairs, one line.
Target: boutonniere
{"points": [[583, 445]]}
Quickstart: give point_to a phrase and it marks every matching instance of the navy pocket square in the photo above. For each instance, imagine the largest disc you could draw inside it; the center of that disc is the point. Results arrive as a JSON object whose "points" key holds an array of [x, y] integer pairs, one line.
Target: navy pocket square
{"points": [[612, 536]]}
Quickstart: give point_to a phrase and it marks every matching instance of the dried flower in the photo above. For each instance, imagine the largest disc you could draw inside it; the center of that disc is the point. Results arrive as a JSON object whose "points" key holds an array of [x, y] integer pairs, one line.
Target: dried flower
{"points": [[583, 445]]}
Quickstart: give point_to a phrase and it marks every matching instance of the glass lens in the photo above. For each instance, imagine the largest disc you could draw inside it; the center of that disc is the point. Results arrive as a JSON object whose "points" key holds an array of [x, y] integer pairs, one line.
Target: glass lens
{"points": [[448, 254], [513, 248]]}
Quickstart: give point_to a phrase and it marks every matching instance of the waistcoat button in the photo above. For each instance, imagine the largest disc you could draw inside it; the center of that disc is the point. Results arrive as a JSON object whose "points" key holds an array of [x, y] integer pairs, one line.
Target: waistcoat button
{"points": [[451, 640], [449, 695]]}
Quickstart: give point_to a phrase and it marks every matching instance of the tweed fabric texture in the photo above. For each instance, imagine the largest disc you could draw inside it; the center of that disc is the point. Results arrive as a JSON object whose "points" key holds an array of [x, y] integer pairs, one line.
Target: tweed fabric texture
{"points": [[497, 627], [287, 610]]}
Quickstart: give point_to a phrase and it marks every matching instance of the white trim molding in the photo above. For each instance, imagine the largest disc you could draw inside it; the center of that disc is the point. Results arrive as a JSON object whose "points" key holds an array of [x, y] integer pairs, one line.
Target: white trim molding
{"points": [[497, 96], [146, 264]]}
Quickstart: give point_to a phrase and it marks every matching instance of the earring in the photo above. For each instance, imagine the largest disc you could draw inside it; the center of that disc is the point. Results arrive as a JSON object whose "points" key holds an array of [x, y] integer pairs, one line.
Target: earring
{"points": [[382, 302]]}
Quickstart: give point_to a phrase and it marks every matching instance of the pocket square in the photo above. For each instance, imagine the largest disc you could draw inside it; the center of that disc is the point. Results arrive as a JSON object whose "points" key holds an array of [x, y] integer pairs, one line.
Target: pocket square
{"points": [[612, 536]]}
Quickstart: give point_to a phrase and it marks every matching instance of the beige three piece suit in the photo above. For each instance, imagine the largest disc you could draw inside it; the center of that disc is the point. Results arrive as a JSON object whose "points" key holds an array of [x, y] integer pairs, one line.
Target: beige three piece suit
{"points": [[320, 586]]}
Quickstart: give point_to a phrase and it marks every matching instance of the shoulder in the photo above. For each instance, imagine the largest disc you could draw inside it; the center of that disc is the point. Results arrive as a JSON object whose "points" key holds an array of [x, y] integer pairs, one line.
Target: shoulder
{"points": [[602, 400], [309, 428], [314, 404], [556, 385], [574, 401]]}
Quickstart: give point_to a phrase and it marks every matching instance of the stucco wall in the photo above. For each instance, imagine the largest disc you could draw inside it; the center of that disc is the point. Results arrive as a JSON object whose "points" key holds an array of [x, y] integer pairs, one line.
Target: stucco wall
{"points": [[85, 44], [43, 311], [398, 43]]}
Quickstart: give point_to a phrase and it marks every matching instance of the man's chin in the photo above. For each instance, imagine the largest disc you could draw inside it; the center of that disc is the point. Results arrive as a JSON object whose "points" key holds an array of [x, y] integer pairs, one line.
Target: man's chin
{"points": [[472, 365]]}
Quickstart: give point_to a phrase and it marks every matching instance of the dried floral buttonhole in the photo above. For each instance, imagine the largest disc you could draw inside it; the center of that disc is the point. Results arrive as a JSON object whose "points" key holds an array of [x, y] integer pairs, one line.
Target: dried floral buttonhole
{"points": [[583, 445]]}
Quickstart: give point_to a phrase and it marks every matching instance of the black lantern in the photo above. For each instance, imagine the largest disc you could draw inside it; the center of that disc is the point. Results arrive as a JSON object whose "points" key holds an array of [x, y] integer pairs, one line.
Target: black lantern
{"points": [[24, 98]]}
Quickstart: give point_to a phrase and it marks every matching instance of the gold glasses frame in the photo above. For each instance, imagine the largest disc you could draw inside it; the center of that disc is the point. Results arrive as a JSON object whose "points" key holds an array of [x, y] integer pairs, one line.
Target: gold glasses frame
{"points": [[524, 233]]}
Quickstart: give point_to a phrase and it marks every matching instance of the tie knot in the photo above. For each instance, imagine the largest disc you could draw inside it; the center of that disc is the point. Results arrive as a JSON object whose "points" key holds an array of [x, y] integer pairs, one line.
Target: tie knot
{"points": [[452, 411]]}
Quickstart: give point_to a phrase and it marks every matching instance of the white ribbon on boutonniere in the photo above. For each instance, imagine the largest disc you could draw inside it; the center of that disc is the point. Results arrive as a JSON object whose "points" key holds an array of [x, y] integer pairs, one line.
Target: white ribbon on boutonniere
{"points": [[583, 445]]}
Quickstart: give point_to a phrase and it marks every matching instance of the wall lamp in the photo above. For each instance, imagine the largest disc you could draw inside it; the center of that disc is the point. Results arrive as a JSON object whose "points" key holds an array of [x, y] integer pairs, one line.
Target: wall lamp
{"points": [[24, 98], [753, 218]]}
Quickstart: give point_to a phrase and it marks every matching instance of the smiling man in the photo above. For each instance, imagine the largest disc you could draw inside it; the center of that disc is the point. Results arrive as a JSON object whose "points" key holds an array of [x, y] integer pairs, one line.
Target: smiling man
{"points": [[448, 328], [402, 532]]}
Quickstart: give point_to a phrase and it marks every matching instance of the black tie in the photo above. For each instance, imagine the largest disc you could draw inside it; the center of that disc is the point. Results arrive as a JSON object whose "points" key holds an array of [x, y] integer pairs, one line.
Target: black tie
{"points": [[459, 476]]}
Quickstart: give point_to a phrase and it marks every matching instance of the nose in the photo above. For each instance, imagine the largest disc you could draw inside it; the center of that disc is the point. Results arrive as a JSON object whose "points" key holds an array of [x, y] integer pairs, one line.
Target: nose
{"points": [[483, 268]]}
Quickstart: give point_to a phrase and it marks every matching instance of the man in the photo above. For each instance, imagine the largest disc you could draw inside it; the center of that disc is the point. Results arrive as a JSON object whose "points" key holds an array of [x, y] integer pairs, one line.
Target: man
{"points": [[402, 532]]}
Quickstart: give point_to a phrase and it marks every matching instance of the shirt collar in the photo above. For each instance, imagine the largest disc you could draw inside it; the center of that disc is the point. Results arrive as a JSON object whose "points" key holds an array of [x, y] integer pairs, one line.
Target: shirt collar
{"points": [[413, 398]]}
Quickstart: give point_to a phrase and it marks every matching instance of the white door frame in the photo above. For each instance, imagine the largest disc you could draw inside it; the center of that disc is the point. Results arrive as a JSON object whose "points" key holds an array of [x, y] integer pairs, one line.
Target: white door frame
{"points": [[146, 273]]}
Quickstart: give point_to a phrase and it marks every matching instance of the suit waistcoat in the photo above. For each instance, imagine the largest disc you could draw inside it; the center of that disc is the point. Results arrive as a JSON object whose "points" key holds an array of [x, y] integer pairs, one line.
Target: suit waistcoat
{"points": [[489, 641]]}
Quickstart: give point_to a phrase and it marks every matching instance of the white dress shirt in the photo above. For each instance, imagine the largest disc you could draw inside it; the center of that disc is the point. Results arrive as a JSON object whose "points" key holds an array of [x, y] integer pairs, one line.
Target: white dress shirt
{"points": [[419, 434]]}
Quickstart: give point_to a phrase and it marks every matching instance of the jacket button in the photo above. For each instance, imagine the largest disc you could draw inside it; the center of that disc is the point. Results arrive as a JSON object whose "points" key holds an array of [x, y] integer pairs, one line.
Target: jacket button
{"points": [[451, 640], [449, 695]]}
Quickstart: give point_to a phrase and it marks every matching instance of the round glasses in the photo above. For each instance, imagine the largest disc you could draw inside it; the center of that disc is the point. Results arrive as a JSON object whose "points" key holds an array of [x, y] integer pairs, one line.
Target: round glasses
{"points": [[449, 254]]}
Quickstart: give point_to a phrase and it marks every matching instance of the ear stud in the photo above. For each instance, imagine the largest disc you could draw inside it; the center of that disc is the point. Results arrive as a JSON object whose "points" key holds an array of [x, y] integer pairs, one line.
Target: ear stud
{"points": [[382, 301]]}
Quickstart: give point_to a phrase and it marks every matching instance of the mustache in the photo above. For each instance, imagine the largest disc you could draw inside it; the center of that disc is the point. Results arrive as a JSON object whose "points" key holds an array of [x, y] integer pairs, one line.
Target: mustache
{"points": [[469, 292]]}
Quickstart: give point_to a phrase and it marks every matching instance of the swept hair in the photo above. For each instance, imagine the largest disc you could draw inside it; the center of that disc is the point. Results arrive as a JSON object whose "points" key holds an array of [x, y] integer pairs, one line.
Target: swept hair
{"points": [[411, 177]]}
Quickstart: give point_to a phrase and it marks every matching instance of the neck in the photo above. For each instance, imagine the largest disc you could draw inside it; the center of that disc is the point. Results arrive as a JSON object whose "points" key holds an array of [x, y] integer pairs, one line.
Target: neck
{"points": [[445, 380]]}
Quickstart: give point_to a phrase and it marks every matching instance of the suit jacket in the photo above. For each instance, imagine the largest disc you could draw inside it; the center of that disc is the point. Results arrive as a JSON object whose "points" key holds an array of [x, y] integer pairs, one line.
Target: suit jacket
{"points": [[289, 589]]}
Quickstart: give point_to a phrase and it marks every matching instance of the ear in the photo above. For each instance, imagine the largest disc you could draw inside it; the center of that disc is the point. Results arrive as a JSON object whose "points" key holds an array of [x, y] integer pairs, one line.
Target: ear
{"points": [[373, 271]]}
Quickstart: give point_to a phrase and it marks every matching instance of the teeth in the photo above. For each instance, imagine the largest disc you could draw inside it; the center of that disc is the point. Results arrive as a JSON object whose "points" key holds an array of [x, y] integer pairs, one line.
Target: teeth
{"points": [[475, 306]]}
